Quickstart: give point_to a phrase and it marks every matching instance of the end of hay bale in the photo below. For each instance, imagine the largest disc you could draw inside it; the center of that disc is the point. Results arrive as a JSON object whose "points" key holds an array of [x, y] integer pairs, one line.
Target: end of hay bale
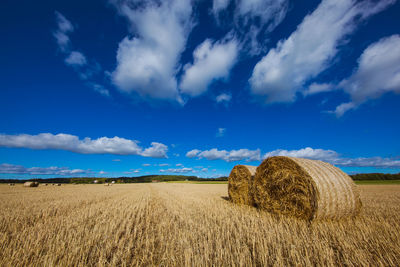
{"points": [[240, 184], [31, 184], [282, 187]]}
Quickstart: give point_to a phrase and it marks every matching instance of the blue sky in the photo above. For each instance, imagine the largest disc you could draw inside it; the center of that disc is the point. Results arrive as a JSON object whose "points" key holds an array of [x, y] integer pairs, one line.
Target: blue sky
{"points": [[129, 88]]}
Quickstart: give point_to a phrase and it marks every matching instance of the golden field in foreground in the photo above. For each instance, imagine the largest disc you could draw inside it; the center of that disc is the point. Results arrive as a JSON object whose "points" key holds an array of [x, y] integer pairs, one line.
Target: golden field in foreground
{"points": [[185, 224]]}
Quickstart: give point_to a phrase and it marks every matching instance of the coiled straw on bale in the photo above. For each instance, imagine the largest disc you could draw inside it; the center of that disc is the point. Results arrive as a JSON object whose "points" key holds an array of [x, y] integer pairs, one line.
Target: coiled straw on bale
{"points": [[240, 184], [308, 189]]}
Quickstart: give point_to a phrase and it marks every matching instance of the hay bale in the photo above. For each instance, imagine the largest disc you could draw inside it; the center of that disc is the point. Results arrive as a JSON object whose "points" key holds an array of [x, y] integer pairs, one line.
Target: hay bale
{"points": [[58, 184], [31, 184], [106, 184], [240, 184], [304, 188]]}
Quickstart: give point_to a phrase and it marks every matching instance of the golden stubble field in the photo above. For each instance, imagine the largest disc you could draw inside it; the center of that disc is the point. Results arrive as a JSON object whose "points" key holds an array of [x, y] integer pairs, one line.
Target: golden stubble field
{"points": [[185, 225]]}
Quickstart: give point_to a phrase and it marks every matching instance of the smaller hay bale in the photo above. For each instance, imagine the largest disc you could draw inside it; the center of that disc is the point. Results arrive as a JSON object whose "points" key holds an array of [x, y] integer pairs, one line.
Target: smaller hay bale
{"points": [[31, 184], [304, 188], [106, 184], [58, 184], [240, 184]]}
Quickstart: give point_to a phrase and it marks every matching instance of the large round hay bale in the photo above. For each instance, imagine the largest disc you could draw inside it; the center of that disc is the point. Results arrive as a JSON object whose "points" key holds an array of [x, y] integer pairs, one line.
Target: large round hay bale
{"points": [[240, 184], [31, 184], [304, 188]]}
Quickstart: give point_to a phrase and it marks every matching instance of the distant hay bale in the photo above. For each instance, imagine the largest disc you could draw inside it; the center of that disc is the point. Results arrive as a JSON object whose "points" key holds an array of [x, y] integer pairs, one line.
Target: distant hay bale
{"points": [[106, 184], [240, 184], [58, 184], [31, 184], [304, 188]]}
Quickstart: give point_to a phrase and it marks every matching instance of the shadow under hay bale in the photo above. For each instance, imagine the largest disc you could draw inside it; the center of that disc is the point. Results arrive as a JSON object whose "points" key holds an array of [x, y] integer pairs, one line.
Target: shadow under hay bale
{"points": [[307, 189], [31, 184], [240, 184]]}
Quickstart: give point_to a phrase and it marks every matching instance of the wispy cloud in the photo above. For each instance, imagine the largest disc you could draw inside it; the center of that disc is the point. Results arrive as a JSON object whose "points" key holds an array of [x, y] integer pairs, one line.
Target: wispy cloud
{"points": [[76, 59], [221, 132], [61, 34], [163, 164], [103, 145], [335, 158], [19, 169], [251, 20], [181, 170], [229, 156]]}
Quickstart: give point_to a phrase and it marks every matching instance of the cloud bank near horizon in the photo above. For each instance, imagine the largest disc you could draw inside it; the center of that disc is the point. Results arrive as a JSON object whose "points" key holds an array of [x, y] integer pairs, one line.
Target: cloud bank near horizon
{"points": [[102, 145]]}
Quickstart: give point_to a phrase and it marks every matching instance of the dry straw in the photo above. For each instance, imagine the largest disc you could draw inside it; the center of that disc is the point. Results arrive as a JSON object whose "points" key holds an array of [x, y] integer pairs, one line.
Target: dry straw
{"points": [[304, 188], [31, 184], [240, 184]]}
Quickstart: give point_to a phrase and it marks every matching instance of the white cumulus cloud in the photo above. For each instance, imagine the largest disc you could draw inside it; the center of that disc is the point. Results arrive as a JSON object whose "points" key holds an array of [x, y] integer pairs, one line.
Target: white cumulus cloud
{"points": [[378, 73], [103, 145], [192, 153], [308, 152], [212, 61], [310, 49], [148, 62], [224, 97]]}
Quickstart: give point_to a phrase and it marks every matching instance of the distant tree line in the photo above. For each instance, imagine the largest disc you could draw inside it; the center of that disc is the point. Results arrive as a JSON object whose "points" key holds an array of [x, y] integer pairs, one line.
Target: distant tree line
{"points": [[375, 176], [139, 179], [166, 178]]}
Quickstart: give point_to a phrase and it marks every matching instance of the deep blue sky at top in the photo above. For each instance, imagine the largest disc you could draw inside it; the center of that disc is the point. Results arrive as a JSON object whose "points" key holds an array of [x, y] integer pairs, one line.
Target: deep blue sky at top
{"points": [[41, 93]]}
